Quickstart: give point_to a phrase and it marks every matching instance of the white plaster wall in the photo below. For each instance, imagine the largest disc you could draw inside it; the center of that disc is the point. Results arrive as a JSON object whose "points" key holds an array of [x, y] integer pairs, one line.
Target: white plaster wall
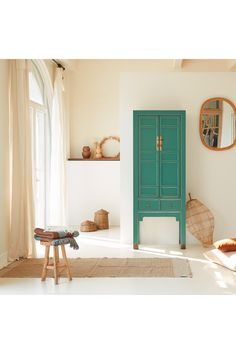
{"points": [[93, 185], [4, 162], [93, 102], [210, 176], [93, 92]]}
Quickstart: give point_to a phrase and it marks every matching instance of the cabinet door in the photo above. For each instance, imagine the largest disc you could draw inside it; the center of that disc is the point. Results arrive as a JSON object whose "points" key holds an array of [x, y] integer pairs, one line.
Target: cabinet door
{"points": [[170, 132], [148, 157]]}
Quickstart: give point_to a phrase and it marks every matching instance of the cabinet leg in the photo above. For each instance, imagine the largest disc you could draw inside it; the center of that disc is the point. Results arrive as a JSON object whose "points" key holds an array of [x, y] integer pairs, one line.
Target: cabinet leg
{"points": [[136, 234], [182, 234]]}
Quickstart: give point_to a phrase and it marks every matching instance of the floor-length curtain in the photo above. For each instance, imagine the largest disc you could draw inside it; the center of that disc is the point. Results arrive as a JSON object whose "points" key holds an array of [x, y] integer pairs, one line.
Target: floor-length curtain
{"points": [[21, 242], [57, 193]]}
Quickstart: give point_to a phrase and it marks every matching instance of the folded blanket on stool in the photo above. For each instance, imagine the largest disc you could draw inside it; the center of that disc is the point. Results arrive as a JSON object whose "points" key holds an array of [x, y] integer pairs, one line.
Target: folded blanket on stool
{"points": [[55, 234], [57, 237]]}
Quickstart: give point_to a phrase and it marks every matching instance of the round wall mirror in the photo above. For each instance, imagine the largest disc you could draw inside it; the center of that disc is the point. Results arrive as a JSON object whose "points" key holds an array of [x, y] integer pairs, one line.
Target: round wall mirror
{"points": [[217, 123]]}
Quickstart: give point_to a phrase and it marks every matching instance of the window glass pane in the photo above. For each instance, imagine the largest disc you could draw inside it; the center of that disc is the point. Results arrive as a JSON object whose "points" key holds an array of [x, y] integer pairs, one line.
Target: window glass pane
{"points": [[35, 93]]}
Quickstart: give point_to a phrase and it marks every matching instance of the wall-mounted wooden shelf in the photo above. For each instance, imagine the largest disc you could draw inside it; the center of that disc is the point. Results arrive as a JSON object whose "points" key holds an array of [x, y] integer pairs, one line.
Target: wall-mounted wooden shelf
{"points": [[102, 159]]}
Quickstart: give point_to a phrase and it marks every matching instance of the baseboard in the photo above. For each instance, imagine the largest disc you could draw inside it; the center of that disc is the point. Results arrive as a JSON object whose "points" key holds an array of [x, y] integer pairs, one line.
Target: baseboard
{"points": [[3, 260]]}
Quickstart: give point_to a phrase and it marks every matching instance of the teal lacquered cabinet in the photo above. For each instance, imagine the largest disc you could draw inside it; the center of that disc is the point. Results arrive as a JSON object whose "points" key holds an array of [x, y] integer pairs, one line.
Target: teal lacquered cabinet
{"points": [[159, 168]]}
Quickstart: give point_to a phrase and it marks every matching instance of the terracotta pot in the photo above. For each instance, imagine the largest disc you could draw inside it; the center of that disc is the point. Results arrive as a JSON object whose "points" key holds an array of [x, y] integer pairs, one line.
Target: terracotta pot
{"points": [[86, 153]]}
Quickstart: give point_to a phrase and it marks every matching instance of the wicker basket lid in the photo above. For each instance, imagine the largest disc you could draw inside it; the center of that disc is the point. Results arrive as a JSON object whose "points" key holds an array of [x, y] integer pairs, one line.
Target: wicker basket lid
{"points": [[87, 223], [102, 211]]}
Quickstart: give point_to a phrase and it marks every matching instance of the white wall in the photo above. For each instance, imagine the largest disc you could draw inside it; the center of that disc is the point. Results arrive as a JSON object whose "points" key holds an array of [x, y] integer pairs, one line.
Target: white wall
{"points": [[211, 175], [93, 185], [4, 162], [93, 91], [93, 114]]}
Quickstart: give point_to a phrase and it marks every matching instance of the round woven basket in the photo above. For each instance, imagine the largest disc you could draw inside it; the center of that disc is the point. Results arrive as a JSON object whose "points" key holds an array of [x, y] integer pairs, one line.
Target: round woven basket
{"points": [[88, 226], [101, 219]]}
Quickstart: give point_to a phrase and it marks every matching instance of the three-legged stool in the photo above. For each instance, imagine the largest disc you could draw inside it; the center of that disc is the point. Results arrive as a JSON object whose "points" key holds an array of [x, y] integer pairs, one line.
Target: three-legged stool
{"points": [[57, 266]]}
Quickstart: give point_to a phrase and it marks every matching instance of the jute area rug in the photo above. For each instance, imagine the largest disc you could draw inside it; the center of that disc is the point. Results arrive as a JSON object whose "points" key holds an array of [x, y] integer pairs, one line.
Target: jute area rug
{"points": [[104, 267]]}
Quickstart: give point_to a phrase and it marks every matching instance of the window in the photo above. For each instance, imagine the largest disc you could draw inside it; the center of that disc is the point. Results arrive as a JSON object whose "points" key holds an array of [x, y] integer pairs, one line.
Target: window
{"points": [[35, 92], [39, 114]]}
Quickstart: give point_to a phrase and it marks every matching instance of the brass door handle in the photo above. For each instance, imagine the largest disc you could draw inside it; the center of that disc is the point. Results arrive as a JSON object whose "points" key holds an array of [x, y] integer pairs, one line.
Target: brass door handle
{"points": [[161, 143], [157, 143]]}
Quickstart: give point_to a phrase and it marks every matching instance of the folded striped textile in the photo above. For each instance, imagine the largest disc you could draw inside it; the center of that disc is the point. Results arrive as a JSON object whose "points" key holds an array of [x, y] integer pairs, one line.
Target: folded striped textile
{"points": [[56, 238], [50, 234], [60, 241]]}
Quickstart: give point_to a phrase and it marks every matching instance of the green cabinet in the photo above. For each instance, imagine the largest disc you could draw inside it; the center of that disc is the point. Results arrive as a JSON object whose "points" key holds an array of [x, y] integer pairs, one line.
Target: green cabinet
{"points": [[159, 168]]}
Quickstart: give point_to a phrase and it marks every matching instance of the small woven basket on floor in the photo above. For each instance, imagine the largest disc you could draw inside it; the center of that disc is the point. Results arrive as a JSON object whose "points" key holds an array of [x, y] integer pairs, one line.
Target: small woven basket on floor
{"points": [[200, 221], [101, 219], [88, 226]]}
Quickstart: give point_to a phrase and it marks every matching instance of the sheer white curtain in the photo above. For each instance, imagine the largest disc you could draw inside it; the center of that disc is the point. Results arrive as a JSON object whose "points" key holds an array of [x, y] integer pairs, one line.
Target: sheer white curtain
{"points": [[21, 242], [59, 143], [44, 80]]}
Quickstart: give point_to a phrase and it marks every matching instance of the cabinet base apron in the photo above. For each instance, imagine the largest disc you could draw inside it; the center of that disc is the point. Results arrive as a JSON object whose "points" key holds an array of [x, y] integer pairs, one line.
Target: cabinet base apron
{"points": [[182, 227]]}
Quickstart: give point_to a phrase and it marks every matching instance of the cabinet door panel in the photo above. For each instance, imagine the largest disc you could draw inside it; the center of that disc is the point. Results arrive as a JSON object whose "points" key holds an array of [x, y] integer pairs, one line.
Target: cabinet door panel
{"points": [[169, 174], [148, 155], [169, 192], [170, 156], [148, 120], [149, 192], [148, 173], [169, 180], [148, 138], [170, 139]]}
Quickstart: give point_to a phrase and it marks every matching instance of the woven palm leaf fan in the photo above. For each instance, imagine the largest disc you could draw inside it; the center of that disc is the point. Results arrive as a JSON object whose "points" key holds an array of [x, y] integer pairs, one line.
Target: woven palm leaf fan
{"points": [[200, 221]]}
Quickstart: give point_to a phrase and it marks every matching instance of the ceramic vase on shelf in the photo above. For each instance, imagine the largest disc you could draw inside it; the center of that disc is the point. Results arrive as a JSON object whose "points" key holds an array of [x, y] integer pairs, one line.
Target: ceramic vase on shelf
{"points": [[98, 151], [86, 153]]}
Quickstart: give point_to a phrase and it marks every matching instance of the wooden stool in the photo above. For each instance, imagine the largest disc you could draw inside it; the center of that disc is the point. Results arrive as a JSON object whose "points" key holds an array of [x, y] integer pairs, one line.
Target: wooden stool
{"points": [[57, 267]]}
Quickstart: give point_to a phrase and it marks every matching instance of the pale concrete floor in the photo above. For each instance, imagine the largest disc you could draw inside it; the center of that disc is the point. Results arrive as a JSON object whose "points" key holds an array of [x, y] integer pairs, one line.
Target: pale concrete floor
{"points": [[208, 278]]}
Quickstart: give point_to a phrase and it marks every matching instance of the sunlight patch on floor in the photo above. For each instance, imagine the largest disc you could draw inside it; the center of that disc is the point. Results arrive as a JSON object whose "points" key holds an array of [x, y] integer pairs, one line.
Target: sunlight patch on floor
{"points": [[221, 284]]}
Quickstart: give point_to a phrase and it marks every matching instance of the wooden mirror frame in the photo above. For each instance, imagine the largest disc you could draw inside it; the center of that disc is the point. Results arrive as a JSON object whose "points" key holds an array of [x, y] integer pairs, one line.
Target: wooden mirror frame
{"points": [[200, 123]]}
